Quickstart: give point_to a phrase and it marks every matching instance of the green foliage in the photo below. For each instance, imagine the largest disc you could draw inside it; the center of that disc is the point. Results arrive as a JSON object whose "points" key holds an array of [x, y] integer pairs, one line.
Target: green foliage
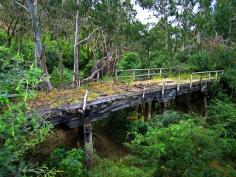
{"points": [[183, 149], [108, 168], [59, 79], [117, 125], [223, 115], [3, 36], [230, 78], [69, 163], [129, 61], [19, 130]]}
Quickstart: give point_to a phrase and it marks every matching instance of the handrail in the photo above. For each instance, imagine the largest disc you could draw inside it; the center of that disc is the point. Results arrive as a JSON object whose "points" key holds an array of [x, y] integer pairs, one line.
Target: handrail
{"points": [[202, 72], [140, 69], [159, 71]]}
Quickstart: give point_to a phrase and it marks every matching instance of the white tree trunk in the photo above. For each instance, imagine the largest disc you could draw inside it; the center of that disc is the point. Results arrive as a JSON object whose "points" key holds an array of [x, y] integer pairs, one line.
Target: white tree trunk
{"points": [[32, 5], [76, 49]]}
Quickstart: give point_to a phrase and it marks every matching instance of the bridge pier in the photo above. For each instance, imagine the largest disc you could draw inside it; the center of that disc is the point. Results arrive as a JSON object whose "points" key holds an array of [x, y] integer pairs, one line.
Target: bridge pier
{"points": [[162, 107], [205, 107], [148, 110], [88, 145]]}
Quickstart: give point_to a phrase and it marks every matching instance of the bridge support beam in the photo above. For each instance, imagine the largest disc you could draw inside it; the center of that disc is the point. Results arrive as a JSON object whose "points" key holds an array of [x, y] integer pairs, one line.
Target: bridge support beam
{"points": [[149, 110], [88, 145], [205, 108], [162, 107]]}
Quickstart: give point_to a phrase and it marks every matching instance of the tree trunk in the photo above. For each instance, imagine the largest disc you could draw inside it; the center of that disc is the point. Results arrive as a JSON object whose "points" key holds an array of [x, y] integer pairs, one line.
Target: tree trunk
{"points": [[45, 70], [32, 5], [76, 49], [61, 67]]}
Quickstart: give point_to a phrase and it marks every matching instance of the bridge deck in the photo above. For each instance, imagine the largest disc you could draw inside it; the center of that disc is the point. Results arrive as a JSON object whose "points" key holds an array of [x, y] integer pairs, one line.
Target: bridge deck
{"points": [[65, 106], [66, 97]]}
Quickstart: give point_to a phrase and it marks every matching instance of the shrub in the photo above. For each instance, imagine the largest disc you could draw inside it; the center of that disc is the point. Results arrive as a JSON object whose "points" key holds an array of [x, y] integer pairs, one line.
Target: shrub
{"points": [[129, 61], [223, 115], [19, 130], [69, 163], [107, 168], [183, 149]]}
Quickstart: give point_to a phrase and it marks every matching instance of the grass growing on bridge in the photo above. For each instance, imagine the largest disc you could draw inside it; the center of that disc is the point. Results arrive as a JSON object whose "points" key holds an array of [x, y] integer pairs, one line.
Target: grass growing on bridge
{"points": [[105, 87]]}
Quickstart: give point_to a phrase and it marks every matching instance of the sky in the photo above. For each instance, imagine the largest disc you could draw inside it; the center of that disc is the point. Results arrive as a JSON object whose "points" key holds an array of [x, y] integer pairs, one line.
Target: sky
{"points": [[144, 15]]}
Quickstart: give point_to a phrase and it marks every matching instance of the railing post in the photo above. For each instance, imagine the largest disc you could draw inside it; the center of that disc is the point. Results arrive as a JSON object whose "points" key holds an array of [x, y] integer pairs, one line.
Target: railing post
{"points": [[163, 89], [191, 81], [133, 74], [178, 83], [116, 75], [98, 75], [216, 75], [148, 73], [209, 76], [160, 71], [201, 79]]}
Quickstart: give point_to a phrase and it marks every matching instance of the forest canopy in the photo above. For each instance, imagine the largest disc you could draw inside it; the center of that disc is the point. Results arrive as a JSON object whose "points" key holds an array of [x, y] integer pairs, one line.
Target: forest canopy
{"points": [[49, 46]]}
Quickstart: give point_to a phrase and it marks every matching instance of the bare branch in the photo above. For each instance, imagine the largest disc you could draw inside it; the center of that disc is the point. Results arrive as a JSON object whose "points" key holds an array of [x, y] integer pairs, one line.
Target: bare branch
{"points": [[21, 5], [89, 36]]}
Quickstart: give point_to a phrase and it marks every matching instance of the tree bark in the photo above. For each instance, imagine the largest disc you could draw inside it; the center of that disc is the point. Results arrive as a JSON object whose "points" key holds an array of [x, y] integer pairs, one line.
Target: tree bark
{"points": [[45, 69], [76, 48], [32, 5]]}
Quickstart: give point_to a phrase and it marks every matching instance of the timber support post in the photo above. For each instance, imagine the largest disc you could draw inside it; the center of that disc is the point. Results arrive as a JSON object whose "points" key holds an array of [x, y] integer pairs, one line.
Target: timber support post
{"points": [[88, 140], [149, 110], [205, 107], [162, 108], [88, 144]]}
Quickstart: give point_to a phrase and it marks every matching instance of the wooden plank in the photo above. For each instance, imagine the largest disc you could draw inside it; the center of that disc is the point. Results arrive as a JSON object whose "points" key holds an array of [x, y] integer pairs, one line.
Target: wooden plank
{"points": [[101, 108]]}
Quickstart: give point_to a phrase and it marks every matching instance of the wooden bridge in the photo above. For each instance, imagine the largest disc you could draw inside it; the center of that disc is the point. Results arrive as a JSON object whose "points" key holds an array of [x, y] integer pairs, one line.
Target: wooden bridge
{"points": [[162, 90]]}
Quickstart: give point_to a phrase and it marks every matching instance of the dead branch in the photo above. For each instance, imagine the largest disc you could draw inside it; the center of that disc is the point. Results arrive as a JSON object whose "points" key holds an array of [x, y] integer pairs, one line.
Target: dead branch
{"points": [[89, 36], [21, 5]]}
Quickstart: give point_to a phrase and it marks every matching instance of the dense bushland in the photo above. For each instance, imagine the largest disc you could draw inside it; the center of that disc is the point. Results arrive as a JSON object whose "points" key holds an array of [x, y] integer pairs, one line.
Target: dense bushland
{"points": [[188, 35]]}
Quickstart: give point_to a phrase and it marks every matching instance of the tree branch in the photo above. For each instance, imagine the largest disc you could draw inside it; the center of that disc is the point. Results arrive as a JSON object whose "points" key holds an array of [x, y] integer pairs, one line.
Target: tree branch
{"points": [[21, 5], [89, 36]]}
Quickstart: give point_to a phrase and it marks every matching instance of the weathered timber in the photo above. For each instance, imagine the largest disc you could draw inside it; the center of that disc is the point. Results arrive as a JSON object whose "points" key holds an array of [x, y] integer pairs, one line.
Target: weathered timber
{"points": [[205, 104], [71, 115], [88, 144], [87, 133], [162, 107]]}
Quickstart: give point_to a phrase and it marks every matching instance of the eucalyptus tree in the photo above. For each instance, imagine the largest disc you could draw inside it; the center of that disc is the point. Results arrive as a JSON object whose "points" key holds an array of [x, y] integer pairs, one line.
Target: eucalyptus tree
{"points": [[115, 17], [31, 6], [13, 21]]}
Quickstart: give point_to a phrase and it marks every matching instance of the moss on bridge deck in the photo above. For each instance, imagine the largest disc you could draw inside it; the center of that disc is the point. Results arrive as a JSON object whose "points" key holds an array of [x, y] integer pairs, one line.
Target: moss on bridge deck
{"points": [[96, 90]]}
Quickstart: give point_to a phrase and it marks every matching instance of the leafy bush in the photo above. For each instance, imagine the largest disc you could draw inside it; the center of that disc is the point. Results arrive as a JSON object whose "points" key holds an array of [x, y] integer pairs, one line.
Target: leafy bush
{"points": [[223, 115], [70, 163], [57, 79], [108, 168], [19, 130], [129, 61], [183, 149]]}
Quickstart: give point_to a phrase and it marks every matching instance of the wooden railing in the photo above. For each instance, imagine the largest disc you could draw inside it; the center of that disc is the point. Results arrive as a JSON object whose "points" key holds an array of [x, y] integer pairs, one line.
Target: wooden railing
{"points": [[136, 74], [142, 73]]}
